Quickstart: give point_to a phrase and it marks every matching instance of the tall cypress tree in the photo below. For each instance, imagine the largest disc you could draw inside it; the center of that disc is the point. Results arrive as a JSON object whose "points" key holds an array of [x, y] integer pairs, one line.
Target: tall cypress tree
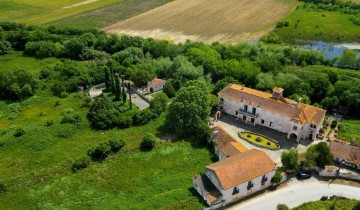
{"points": [[112, 83], [107, 78], [117, 88], [123, 92]]}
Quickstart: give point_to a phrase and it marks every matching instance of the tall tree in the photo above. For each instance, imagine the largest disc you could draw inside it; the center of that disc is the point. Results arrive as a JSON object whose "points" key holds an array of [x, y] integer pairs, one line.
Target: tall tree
{"points": [[289, 159], [107, 78], [117, 87], [189, 110]]}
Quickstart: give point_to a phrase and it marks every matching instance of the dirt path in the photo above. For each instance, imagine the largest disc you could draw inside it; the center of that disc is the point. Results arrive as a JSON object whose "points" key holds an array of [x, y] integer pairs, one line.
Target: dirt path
{"points": [[227, 21]]}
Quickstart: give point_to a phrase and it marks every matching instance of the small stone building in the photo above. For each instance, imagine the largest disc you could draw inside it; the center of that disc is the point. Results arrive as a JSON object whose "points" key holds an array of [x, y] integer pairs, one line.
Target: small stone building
{"points": [[155, 85]]}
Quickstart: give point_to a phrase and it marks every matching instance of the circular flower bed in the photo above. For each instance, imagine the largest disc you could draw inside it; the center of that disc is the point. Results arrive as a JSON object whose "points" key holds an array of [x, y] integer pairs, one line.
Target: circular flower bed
{"points": [[260, 141]]}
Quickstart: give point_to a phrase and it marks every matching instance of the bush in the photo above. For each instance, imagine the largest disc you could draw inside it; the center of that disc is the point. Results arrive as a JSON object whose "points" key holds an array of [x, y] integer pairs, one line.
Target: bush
{"points": [[334, 124], [80, 163], [124, 122], [100, 152], [258, 139], [268, 143], [75, 120], [249, 136], [169, 90], [5, 47], [2, 188], [282, 207], [116, 145], [19, 132], [49, 123], [277, 178], [148, 142]]}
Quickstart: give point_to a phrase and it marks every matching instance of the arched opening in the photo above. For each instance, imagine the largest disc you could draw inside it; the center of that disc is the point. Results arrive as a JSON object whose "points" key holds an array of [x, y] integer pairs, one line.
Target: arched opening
{"points": [[311, 136], [151, 90], [293, 137]]}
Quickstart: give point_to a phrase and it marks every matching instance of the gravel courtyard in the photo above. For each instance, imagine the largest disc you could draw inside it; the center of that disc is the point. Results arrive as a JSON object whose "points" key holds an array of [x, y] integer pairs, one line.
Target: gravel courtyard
{"points": [[234, 126]]}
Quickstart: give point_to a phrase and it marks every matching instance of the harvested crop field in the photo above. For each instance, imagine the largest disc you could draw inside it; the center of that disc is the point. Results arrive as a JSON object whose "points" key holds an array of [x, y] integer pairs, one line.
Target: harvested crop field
{"points": [[226, 21]]}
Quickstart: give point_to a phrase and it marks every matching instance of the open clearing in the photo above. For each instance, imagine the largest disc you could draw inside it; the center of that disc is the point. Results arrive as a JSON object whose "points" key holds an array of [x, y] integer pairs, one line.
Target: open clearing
{"points": [[42, 11], [226, 21]]}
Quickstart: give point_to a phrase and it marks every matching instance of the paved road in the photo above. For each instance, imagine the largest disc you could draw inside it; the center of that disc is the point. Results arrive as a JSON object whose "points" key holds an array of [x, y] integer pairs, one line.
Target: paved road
{"points": [[296, 193]]}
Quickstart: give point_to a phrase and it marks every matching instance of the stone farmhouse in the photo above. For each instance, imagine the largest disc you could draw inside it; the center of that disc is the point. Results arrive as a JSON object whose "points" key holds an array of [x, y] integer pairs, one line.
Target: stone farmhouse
{"points": [[296, 119], [345, 153], [238, 173], [155, 85]]}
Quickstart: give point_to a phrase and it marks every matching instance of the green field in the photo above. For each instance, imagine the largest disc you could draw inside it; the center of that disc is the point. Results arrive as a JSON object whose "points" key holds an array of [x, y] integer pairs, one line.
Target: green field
{"points": [[110, 14], [345, 204], [350, 128], [36, 166], [315, 25], [38, 12]]}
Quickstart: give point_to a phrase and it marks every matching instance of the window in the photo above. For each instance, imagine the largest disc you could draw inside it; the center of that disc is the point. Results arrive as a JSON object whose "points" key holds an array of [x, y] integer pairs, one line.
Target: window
{"points": [[245, 108], [263, 180], [221, 99], [244, 117], [236, 113], [270, 124], [235, 191], [295, 128], [263, 122], [250, 185], [252, 120], [254, 111]]}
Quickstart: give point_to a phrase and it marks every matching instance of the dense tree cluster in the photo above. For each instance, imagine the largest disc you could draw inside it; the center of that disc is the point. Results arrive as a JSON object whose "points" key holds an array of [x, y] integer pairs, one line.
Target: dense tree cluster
{"points": [[305, 75]]}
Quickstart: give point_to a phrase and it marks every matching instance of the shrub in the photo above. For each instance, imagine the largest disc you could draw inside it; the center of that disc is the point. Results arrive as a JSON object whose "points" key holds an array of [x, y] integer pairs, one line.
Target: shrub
{"points": [[100, 152], [116, 145], [80, 163], [258, 139], [249, 136], [19, 132], [277, 178], [334, 124], [282, 207], [148, 142], [49, 123], [75, 120], [268, 143], [124, 122], [2, 188]]}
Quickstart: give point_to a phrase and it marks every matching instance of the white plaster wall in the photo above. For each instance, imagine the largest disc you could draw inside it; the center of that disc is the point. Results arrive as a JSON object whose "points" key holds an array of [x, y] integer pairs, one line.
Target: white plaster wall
{"points": [[156, 88]]}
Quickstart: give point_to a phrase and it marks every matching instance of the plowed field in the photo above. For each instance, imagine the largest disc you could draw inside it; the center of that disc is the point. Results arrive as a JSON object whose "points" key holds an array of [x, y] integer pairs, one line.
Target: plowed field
{"points": [[226, 21]]}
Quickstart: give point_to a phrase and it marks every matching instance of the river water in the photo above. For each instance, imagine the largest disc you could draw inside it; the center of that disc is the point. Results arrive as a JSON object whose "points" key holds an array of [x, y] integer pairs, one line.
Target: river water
{"points": [[332, 50]]}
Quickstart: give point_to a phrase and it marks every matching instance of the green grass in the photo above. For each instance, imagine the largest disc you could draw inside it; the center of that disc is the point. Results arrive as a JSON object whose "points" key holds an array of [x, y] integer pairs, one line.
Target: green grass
{"points": [[259, 140], [349, 128], [42, 11], [317, 25], [110, 14], [15, 60], [344, 204], [36, 166]]}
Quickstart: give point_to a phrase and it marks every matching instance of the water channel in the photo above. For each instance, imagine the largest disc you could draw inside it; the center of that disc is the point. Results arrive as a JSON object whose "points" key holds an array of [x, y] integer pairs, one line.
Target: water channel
{"points": [[332, 50]]}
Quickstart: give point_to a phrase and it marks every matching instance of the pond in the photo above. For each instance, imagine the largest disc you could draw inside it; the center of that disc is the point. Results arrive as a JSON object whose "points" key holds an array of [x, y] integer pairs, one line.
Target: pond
{"points": [[332, 50]]}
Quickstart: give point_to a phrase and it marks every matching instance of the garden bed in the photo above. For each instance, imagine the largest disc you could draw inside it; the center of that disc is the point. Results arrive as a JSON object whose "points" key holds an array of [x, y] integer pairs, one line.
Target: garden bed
{"points": [[259, 140]]}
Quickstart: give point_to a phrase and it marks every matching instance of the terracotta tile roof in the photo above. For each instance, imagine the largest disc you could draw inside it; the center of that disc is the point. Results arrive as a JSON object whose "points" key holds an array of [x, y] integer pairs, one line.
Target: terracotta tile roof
{"points": [[156, 82], [207, 188], [241, 168], [226, 144], [345, 151], [283, 106]]}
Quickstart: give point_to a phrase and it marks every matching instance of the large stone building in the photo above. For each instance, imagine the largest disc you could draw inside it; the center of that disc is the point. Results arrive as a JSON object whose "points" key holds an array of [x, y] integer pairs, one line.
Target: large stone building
{"points": [[296, 119]]}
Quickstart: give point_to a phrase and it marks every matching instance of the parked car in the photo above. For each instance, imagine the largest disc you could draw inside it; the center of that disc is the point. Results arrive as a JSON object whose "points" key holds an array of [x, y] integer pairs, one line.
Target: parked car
{"points": [[303, 174]]}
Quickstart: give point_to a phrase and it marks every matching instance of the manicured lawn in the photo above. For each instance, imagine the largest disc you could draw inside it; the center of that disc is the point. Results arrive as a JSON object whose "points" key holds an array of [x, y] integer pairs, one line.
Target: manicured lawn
{"points": [[345, 204], [349, 128], [259, 140], [319, 25]]}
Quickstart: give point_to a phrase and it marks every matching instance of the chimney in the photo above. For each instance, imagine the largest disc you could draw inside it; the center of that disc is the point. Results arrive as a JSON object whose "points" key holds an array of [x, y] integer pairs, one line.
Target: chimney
{"points": [[277, 93]]}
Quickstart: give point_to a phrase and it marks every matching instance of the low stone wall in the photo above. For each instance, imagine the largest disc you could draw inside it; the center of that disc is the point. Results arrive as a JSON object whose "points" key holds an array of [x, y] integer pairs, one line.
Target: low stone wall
{"points": [[140, 94]]}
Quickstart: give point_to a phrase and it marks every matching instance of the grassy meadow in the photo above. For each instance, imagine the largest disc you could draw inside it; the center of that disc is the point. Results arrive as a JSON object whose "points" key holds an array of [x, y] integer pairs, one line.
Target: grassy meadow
{"points": [[349, 128], [35, 167], [109, 14], [39, 12], [345, 204], [315, 25]]}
